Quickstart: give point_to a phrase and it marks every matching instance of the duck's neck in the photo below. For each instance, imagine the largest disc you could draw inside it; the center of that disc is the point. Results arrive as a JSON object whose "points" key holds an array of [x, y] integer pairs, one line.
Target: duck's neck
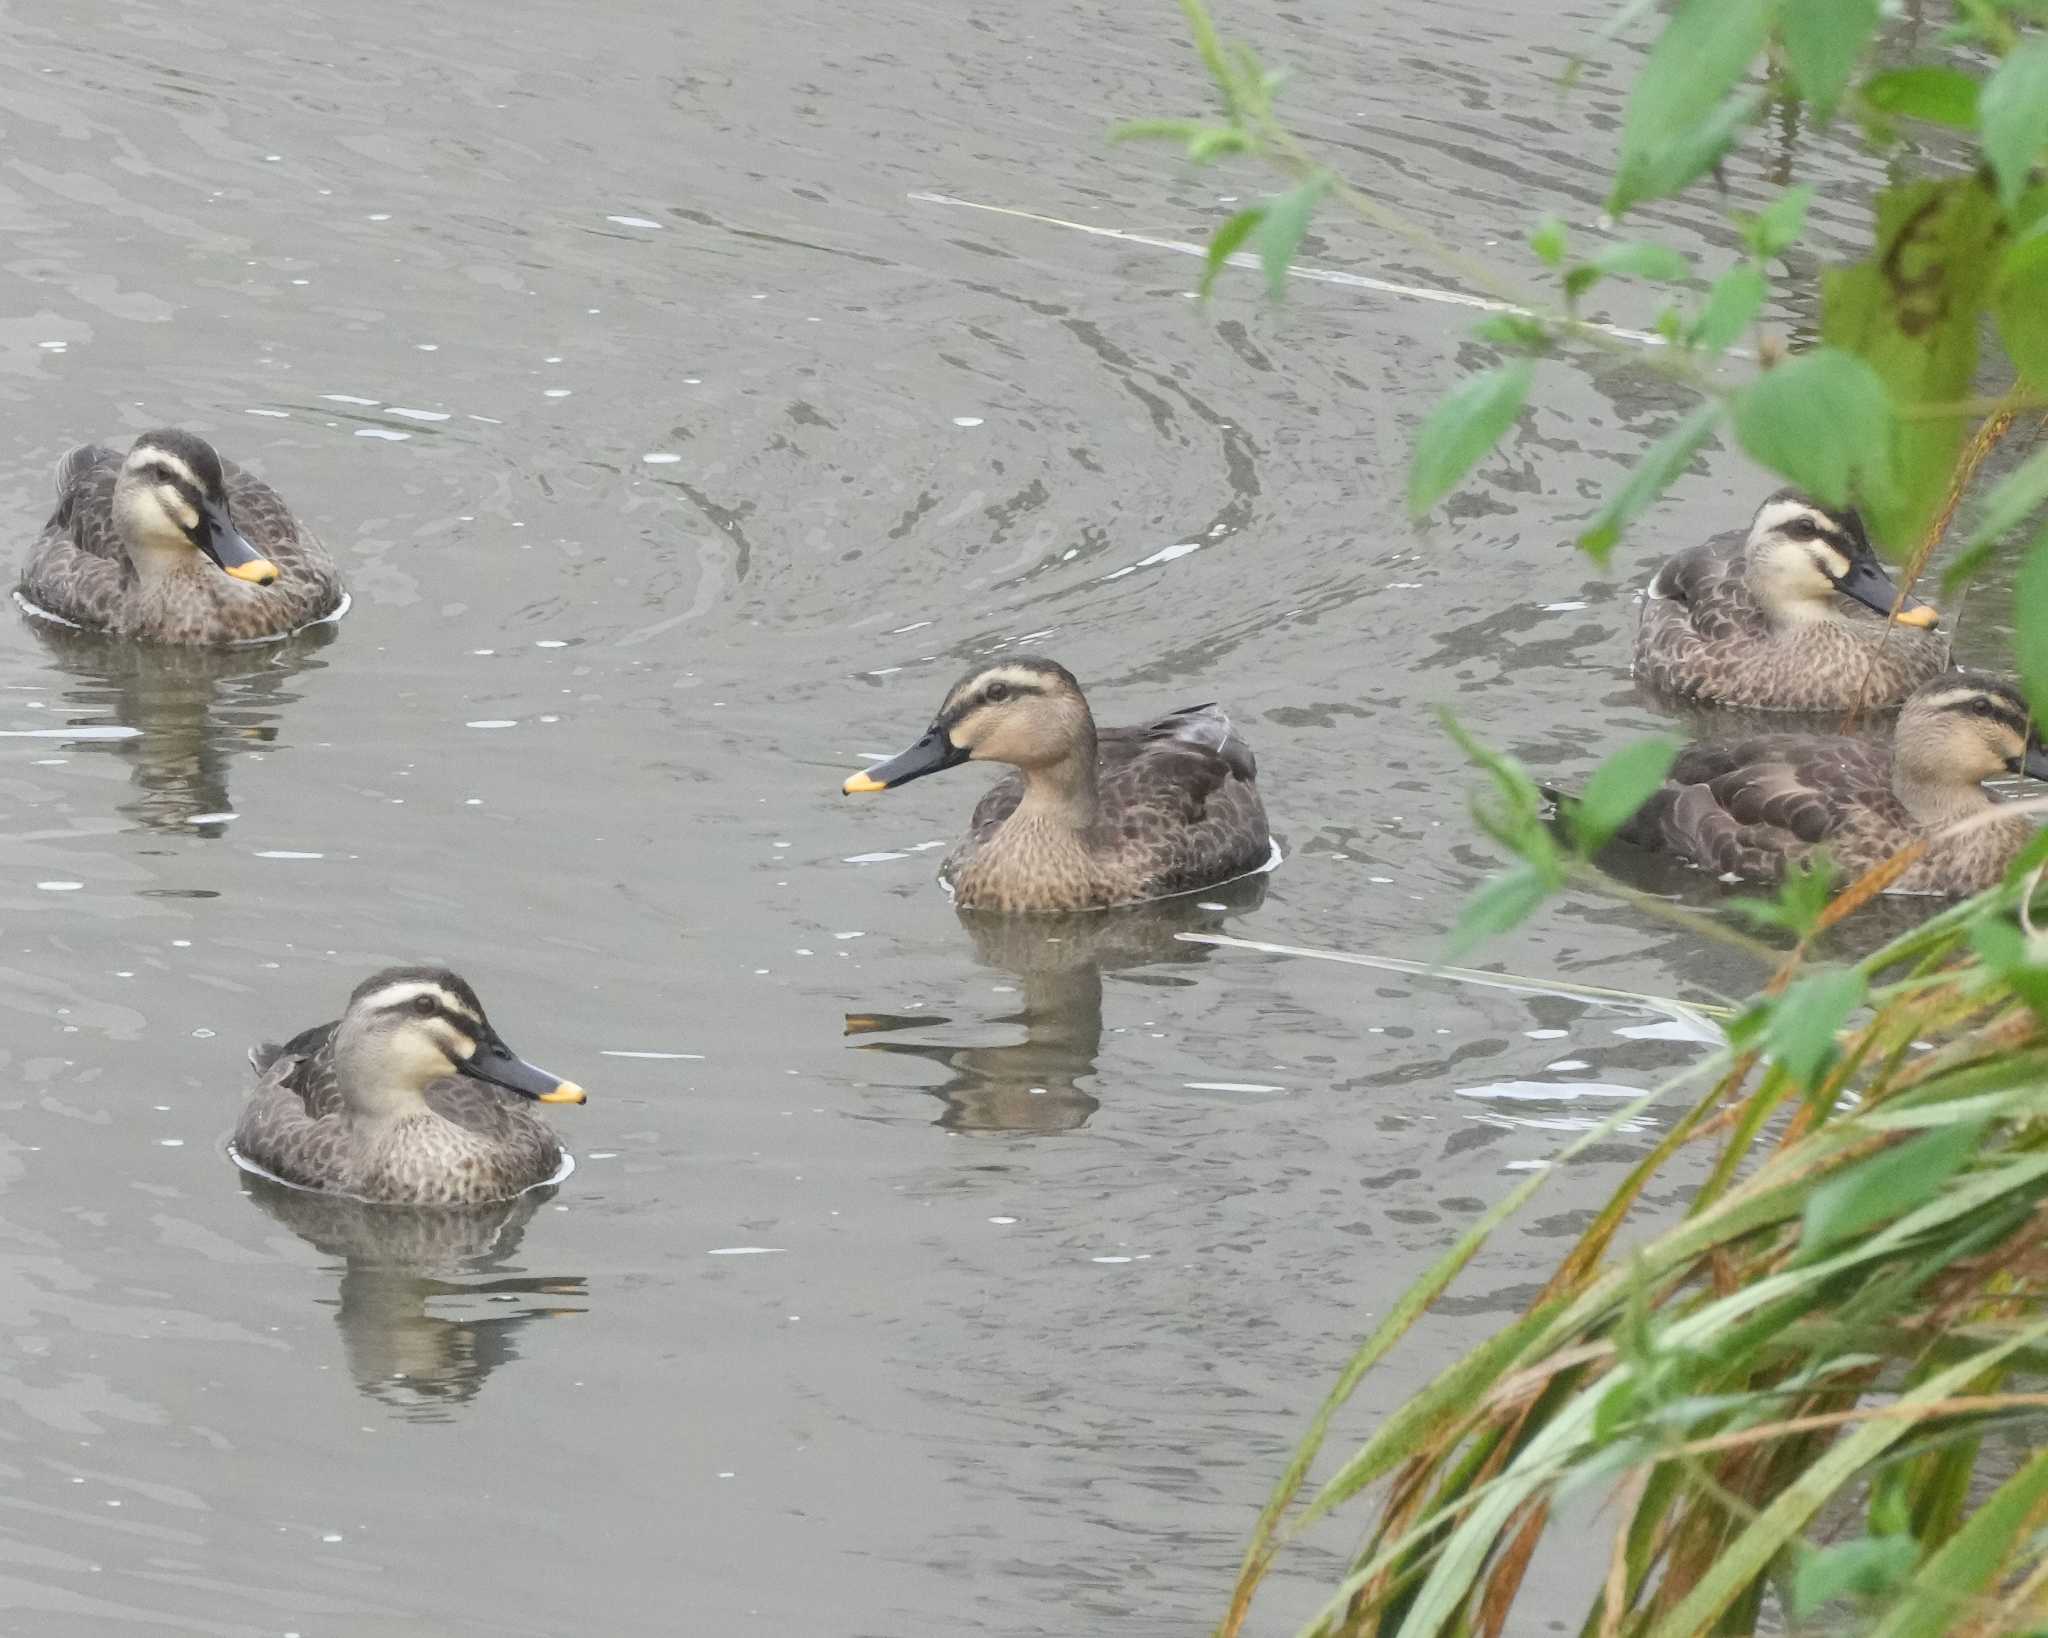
{"points": [[374, 1092], [157, 566], [1935, 797], [1063, 795]]}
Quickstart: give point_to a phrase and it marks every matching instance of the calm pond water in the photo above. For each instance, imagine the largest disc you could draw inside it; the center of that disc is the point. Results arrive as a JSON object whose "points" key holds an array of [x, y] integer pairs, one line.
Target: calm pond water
{"points": [[690, 393]]}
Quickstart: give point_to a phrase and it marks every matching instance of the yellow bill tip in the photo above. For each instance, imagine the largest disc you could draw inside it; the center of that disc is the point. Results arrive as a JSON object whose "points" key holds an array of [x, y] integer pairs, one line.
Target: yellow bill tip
{"points": [[564, 1092], [1924, 616], [860, 785], [259, 572]]}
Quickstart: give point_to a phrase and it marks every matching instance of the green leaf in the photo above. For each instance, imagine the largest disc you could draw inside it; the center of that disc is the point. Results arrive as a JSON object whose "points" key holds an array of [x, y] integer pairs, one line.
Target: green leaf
{"points": [[1641, 260], [1671, 169], [1659, 468], [1547, 239], [1678, 123], [1619, 786], [1505, 902], [2030, 630], [1823, 420], [1941, 96], [1157, 130], [1517, 330], [1742, 1556], [2013, 113], [1776, 228], [1868, 1568], [1223, 245], [1518, 823], [1887, 1184], [1823, 39], [1802, 896], [1215, 144], [1973, 1561], [1801, 1032], [2019, 300], [1464, 427], [2004, 949], [1732, 305], [2013, 499], [1911, 313], [1279, 230]]}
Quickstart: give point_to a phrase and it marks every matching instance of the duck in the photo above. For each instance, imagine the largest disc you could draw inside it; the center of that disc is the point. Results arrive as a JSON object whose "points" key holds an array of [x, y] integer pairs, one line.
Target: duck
{"points": [[410, 1098], [1773, 621], [1091, 817], [171, 544], [1748, 808]]}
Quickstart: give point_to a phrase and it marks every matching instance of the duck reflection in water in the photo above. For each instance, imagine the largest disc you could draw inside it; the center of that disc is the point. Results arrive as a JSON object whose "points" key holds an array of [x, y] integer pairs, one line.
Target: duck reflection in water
{"points": [[192, 709], [1035, 1085], [397, 1264]]}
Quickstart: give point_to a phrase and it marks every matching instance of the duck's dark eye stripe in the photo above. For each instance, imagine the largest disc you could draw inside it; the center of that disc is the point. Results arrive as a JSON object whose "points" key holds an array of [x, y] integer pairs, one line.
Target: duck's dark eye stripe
{"points": [[410, 1008], [1979, 705], [168, 479]]}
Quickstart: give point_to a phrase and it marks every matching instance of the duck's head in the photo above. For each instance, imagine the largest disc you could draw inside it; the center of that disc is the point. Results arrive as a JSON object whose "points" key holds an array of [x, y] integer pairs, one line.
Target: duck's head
{"points": [[408, 1027], [1801, 553], [171, 501], [1023, 710], [1961, 729]]}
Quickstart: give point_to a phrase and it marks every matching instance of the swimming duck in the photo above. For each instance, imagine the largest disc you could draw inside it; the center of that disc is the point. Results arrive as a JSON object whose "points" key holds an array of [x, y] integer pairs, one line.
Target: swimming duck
{"points": [[1748, 807], [1772, 622], [410, 1098], [1091, 818], [173, 544]]}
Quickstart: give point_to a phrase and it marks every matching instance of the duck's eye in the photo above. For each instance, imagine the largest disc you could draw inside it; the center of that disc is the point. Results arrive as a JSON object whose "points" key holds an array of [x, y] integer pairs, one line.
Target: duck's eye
{"points": [[1983, 708], [423, 1005], [1803, 529], [996, 692]]}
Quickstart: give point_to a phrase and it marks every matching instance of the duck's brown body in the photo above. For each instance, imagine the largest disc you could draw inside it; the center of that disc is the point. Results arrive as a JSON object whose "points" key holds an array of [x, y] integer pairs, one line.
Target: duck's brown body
{"points": [[409, 1098], [81, 570], [472, 1144], [1174, 806], [1752, 806], [1704, 636], [1091, 818]]}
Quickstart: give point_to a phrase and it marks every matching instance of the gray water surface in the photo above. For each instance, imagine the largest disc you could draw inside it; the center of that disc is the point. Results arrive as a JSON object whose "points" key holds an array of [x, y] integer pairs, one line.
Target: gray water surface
{"points": [[684, 425]]}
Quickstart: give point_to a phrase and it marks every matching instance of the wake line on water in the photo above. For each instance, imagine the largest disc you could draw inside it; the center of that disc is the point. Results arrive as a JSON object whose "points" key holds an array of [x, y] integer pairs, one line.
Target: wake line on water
{"points": [[1246, 259], [1697, 1013]]}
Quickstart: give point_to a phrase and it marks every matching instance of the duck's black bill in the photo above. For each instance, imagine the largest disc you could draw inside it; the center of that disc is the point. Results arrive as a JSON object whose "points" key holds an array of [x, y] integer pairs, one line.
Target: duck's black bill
{"points": [[494, 1062], [1868, 583], [220, 540], [2034, 764], [930, 755]]}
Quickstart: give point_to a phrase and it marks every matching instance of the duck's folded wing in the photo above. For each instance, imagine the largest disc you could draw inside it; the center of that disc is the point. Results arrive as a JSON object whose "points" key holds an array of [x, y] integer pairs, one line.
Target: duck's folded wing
{"points": [[1745, 806], [1691, 577], [260, 512], [1805, 786], [1204, 727], [77, 470], [1183, 785], [85, 503], [303, 1066]]}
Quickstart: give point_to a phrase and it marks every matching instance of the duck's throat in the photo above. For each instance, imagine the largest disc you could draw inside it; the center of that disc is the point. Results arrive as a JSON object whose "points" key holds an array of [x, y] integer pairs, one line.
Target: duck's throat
{"points": [[1062, 797], [1934, 801]]}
